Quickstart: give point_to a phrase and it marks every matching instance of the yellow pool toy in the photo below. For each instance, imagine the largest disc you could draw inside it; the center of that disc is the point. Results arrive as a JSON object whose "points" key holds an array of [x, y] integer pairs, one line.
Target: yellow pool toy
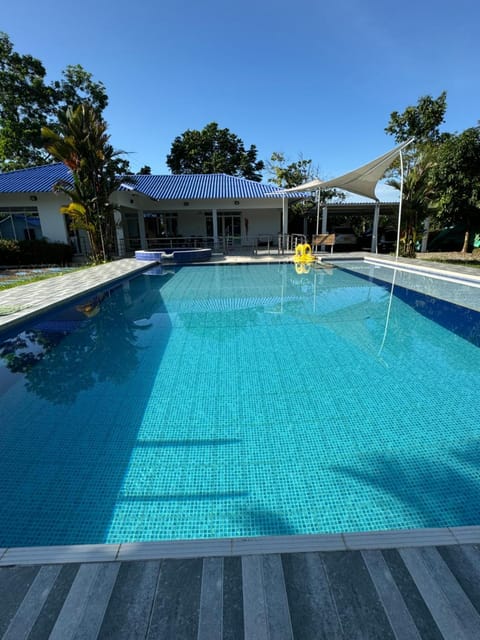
{"points": [[303, 253], [302, 267]]}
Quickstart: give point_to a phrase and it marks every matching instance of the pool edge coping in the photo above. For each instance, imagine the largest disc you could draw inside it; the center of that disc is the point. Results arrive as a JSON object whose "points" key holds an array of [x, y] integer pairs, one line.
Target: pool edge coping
{"points": [[262, 545]]}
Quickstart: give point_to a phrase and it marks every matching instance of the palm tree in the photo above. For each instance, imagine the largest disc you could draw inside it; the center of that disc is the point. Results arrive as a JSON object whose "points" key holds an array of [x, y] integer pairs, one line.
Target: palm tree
{"points": [[417, 195], [82, 144]]}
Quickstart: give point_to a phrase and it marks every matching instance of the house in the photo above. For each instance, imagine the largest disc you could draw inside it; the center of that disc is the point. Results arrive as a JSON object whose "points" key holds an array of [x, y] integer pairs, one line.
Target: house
{"points": [[149, 212], [158, 211]]}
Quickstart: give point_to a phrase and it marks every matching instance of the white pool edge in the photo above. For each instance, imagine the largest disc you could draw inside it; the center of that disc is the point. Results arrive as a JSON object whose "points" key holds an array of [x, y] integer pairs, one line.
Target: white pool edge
{"points": [[137, 551]]}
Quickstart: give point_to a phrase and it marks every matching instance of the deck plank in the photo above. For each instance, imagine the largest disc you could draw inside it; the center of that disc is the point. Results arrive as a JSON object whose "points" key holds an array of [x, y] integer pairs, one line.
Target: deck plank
{"points": [[233, 628], [399, 616], [453, 612], [412, 597], [130, 606], [14, 585], [359, 608], [84, 608], [210, 624], [313, 611], [176, 608], [31, 606], [278, 614]]}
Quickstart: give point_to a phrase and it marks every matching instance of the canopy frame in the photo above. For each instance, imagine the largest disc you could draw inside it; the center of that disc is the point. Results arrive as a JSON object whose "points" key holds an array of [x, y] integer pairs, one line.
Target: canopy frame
{"points": [[362, 182]]}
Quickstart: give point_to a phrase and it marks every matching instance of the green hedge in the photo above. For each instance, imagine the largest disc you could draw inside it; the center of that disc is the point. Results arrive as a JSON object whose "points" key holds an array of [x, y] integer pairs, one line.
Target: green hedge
{"points": [[34, 252]]}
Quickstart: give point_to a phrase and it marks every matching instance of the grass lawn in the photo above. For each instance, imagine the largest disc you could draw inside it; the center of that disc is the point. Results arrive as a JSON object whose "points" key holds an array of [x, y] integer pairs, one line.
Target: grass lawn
{"points": [[17, 276]]}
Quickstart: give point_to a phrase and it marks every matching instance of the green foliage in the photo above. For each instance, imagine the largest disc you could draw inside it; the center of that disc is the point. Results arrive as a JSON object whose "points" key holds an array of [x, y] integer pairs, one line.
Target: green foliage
{"points": [[442, 170], [9, 250], [421, 122], [455, 179], [27, 103], [291, 175], [288, 175], [145, 171], [81, 142], [214, 150], [77, 87], [34, 252]]}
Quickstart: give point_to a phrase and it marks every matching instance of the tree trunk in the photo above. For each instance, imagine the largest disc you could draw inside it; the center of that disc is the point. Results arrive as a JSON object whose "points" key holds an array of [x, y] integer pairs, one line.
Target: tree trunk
{"points": [[465, 241]]}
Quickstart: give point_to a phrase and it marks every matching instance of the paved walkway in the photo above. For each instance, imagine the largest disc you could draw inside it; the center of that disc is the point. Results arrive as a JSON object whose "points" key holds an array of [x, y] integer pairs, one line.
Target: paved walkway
{"points": [[412, 593], [420, 584], [18, 303]]}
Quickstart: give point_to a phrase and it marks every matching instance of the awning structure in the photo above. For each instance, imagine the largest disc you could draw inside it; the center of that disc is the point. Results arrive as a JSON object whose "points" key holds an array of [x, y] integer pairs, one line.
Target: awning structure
{"points": [[361, 181]]}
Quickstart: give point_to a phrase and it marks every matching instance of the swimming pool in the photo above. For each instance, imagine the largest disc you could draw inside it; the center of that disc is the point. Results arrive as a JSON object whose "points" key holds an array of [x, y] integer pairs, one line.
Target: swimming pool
{"points": [[247, 400]]}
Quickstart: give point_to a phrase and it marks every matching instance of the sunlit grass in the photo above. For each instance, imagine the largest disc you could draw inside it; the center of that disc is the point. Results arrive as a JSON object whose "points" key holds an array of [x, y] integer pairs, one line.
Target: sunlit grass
{"points": [[19, 280]]}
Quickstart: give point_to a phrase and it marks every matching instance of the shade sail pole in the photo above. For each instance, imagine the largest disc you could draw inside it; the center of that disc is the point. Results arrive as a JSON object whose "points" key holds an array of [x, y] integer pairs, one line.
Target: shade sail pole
{"points": [[318, 211], [401, 197], [399, 206]]}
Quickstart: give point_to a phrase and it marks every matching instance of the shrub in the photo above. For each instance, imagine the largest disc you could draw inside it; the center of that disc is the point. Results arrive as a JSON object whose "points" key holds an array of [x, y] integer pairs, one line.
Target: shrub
{"points": [[34, 252], [9, 252]]}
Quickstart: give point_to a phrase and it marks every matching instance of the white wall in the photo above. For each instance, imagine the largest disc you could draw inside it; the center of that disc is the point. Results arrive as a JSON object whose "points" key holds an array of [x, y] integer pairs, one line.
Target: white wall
{"points": [[53, 222], [263, 222], [191, 223]]}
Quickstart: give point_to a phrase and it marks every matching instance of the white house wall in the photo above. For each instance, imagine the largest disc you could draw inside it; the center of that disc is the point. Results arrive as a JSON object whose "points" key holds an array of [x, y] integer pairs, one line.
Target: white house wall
{"points": [[52, 222], [263, 222], [191, 223]]}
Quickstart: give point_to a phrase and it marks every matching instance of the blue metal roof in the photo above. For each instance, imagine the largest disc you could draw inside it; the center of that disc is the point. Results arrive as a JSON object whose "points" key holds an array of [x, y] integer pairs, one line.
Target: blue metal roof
{"points": [[203, 187], [34, 179], [169, 187]]}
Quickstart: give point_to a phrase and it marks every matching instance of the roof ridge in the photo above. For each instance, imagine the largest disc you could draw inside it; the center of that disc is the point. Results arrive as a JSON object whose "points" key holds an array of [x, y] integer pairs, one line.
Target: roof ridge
{"points": [[37, 166]]}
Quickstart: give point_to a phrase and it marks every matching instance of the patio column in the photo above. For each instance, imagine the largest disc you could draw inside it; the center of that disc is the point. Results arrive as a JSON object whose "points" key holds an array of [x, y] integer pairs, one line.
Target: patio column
{"points": [[141, 229], [324, 218], [117, 216], [376, 217], [284, 216], [215, 228]]}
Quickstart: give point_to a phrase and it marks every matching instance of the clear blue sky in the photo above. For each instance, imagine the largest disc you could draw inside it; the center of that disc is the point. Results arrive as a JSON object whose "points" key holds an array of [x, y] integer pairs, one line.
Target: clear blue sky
{"points": [[312, 77]]}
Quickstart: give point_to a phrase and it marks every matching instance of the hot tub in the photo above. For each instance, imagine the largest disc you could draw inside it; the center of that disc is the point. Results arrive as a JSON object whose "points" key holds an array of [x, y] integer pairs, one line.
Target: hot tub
{"points": [[181, 256]]}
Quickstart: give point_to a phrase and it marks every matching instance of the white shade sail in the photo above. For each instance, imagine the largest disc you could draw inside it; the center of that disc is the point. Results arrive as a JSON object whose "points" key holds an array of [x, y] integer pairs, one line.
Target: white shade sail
{"points": [[361, 181]]}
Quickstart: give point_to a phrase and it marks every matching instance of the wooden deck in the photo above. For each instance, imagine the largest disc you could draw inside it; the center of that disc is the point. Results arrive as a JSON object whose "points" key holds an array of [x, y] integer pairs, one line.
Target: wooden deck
{"points": [[417, 592]]}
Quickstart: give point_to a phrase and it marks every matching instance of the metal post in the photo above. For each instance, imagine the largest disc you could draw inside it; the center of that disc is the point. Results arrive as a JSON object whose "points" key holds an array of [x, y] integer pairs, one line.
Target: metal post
{"points": [[401, 197], [215, 228], [376, 215], [399, 206]]}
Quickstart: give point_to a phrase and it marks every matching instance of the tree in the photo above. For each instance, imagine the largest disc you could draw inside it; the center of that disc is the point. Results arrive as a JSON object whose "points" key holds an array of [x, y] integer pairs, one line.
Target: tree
{"points": [[213, 150], [421, 122], [27, 104], [145, 171], [293, 174], [455, 178], [77, 87], [82, 144]]}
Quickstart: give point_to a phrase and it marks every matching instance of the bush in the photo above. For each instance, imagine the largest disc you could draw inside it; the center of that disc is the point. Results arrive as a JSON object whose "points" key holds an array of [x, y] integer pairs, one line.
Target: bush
{"points": [[34, 252], [9, 252]]}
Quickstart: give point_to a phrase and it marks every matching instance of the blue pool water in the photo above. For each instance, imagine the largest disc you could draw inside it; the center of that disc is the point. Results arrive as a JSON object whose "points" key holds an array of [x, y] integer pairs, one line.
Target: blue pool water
{"points": [[220, 401]]}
